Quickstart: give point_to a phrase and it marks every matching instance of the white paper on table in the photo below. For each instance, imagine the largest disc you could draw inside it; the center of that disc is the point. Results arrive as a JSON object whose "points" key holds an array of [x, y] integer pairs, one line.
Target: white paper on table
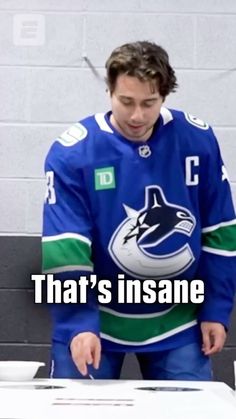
{"points": [[118, 400], [161, 405]]}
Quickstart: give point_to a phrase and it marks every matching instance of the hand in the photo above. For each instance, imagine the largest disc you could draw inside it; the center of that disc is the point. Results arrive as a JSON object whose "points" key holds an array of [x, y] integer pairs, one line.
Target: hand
{"points": [[85, 350], [213, 337]]}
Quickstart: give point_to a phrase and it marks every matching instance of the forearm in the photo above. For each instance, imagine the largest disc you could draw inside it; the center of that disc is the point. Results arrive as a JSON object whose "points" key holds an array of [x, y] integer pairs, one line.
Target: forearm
{"points": [[74, 318], [218, 274]]}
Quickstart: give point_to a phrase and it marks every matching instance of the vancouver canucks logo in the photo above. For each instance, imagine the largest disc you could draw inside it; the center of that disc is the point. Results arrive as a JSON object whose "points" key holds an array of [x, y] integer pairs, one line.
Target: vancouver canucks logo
{"points": [[131, 243]]}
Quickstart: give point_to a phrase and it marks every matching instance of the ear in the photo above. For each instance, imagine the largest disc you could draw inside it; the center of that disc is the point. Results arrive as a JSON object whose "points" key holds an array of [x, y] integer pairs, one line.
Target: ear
{"points": [[108, 92]]}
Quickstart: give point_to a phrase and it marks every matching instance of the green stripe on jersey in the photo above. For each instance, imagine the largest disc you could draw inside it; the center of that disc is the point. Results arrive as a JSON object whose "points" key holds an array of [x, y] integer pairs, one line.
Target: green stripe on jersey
{"points": [[60, 253], [223, 238], [138, 329]]}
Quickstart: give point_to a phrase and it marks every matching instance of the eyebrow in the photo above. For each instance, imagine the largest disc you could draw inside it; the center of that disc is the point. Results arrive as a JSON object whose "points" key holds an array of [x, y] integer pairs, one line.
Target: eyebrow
{"points": [[151, 99]]}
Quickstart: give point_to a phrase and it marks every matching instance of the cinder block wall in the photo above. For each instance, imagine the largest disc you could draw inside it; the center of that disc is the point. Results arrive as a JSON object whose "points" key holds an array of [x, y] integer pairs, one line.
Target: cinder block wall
{"points": [[46, 84]]}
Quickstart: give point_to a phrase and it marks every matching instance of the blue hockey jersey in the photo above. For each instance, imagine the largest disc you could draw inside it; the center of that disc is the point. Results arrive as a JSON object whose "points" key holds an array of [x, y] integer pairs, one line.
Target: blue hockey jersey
{"points": [[160, 209]]}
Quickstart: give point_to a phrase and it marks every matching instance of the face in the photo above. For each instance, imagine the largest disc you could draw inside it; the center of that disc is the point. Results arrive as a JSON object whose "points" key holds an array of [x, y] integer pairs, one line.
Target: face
{"points": [[135, 107]]}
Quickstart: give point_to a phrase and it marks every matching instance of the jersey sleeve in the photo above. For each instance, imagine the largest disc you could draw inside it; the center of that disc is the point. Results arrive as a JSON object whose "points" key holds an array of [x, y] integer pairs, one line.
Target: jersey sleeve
{"points": [[67, 240], [218, 259]]}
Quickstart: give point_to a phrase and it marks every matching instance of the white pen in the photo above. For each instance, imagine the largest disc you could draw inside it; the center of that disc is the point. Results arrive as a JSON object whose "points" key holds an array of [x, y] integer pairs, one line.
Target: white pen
{"points": [[90, 376]]}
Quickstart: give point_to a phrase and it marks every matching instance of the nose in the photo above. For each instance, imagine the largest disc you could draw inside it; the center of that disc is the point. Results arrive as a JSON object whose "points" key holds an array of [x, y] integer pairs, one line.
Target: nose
{"points": [[137, 115]]}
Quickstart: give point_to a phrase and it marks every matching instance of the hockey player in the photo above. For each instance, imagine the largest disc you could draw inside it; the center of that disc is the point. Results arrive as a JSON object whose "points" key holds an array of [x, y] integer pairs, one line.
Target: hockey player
{"points": [[139, 193]]}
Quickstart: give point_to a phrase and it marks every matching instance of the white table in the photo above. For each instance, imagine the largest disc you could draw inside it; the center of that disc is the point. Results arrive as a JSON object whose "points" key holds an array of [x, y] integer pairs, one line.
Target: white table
{"points": [[116, 399]]}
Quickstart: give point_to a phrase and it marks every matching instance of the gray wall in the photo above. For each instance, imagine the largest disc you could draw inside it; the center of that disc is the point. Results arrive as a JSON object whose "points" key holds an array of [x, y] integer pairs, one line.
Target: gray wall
{"points": [[46, 84]]}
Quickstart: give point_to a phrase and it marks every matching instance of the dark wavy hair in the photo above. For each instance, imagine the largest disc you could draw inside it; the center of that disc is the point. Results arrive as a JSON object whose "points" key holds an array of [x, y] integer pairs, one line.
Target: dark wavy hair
{"points": [[145, 60]]}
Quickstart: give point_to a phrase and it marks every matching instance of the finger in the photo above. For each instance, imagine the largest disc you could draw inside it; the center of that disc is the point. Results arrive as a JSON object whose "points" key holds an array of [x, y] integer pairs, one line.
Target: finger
{"points": [[214, 348], [97, 356], [82, 365], [217, 344], [210, 351], [88, 356], [79, 359], [206, 347]]}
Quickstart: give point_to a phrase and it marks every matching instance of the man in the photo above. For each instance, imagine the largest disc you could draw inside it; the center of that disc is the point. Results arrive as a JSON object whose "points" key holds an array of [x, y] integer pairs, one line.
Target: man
{"points": [[139, 193]]}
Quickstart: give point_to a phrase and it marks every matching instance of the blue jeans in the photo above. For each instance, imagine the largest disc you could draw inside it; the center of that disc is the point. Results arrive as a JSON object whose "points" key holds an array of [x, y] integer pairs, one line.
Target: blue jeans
{"points": [[183, 363]]}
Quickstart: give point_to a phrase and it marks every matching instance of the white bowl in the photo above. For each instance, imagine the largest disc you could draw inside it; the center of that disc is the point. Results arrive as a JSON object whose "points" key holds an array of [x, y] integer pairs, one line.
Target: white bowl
{"points": [[19, 370]]}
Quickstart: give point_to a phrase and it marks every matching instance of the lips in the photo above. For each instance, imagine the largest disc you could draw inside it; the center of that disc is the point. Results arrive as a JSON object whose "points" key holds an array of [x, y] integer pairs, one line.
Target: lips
{"points": [[136, 127]]}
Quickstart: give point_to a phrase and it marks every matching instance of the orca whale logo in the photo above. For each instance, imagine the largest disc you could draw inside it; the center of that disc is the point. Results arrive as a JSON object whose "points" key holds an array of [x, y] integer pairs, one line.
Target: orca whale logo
{"points": [[147, 228]]}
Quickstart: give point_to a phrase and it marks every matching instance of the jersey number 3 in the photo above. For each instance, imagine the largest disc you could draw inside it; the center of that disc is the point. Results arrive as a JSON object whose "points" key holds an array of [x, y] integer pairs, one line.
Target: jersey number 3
{"points": [[50, 196]]}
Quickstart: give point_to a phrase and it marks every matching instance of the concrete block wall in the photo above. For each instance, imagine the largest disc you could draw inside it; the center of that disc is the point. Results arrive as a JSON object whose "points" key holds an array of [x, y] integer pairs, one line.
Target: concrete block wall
{"points": [[46, 85]]}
